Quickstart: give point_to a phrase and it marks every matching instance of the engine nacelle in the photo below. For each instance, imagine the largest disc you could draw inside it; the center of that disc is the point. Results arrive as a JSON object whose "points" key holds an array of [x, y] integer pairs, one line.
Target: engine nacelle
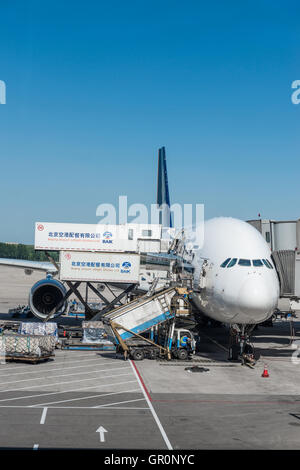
{"points": [[45, 295]]}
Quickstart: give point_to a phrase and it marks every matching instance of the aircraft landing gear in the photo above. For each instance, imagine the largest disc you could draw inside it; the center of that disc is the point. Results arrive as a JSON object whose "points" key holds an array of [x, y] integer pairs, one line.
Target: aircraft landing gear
{"points": [[240, 348]]}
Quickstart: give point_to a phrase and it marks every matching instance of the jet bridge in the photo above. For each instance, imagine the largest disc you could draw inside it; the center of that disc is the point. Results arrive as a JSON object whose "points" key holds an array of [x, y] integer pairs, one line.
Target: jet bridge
{"points": [[283, 238], [285, 261]]}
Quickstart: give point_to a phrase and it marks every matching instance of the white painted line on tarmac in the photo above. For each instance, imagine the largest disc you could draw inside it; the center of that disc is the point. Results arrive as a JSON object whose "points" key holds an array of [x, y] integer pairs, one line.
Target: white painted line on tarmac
{"points": [[44, 414], [63, 391], [54, 368], [160, 426], [118, 403], [61, 383], [86, 398], [66, 391], [65, 375], [78, 407], [55, 362]]}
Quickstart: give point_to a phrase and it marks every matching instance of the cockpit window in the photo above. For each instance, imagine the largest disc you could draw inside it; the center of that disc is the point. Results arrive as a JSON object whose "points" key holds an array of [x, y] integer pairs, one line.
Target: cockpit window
{"points": [[224, 264], [244, 262], [232, 263], [257, 262], [269, 264], [229, 262]]}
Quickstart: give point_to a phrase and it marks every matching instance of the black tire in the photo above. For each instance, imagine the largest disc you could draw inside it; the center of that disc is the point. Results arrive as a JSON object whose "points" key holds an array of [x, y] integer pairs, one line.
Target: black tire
{"points": [[175, 354], [182, 354], [152, 354], [138, 355]]}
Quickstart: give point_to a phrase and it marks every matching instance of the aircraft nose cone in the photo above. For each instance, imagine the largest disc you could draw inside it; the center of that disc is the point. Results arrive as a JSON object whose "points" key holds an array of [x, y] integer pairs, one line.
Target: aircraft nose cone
{"points": [[257, 300]]}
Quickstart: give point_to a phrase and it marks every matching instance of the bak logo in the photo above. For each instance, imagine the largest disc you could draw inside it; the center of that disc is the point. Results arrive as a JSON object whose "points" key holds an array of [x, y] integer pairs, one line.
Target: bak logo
{"points": [[107, 237], [125, 267], [126, 264]]}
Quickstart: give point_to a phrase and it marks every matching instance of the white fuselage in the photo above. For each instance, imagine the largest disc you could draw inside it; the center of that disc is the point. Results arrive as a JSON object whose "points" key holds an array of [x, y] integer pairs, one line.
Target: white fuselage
{"points": [[243, 292]]}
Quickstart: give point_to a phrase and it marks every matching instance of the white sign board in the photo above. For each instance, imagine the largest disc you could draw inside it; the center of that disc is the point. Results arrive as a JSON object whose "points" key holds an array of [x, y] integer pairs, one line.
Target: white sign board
{"points": [[82, 237], [99, 267]]}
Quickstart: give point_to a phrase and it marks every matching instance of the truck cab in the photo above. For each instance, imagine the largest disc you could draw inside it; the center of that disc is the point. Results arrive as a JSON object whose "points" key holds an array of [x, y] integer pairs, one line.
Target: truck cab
{"points": [[183, 343]]}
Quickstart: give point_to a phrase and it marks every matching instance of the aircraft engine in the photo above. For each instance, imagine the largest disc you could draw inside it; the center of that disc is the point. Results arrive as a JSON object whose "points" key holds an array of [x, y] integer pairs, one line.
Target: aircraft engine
{"points": [[44, 296]]}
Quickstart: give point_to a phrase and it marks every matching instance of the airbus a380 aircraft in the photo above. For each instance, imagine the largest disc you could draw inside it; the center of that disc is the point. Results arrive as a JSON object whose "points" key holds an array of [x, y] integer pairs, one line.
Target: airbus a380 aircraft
{"points": [[234, 279]]}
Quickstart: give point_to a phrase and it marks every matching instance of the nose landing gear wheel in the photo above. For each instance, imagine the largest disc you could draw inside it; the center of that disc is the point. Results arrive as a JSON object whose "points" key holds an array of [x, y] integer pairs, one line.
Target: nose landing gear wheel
{"points": [[239, 346]]}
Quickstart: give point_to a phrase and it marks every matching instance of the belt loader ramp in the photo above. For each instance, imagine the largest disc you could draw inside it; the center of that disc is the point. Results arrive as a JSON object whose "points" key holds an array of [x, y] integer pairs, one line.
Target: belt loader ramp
{"points": [[126, 325]]}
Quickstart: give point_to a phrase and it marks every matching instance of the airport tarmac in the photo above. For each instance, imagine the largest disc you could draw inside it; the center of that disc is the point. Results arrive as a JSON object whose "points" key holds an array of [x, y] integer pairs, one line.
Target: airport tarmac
{"points": [[88, 399], [66, 402], [62, 404]]}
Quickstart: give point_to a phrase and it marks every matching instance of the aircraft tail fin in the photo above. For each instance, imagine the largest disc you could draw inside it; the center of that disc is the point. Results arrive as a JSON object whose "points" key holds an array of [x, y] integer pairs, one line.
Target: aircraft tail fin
{"points": [[163, 198]]}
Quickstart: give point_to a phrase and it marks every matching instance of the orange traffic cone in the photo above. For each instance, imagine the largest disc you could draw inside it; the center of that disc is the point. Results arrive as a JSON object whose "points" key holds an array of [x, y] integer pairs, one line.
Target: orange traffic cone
{"points": [[265, 372]]}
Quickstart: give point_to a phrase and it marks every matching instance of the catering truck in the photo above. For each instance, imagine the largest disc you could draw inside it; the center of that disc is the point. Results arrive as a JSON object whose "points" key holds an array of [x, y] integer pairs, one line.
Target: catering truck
{"points": [[145, 327]]}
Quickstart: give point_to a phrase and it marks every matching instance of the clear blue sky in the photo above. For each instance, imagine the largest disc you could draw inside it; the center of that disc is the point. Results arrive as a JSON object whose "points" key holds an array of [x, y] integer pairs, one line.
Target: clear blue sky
{"points": [[94, 88]]}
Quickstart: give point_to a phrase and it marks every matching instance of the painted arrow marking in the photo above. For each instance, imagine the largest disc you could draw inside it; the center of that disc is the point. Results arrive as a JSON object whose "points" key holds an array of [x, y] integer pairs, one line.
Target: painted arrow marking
{"points": [[102, 432]]}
